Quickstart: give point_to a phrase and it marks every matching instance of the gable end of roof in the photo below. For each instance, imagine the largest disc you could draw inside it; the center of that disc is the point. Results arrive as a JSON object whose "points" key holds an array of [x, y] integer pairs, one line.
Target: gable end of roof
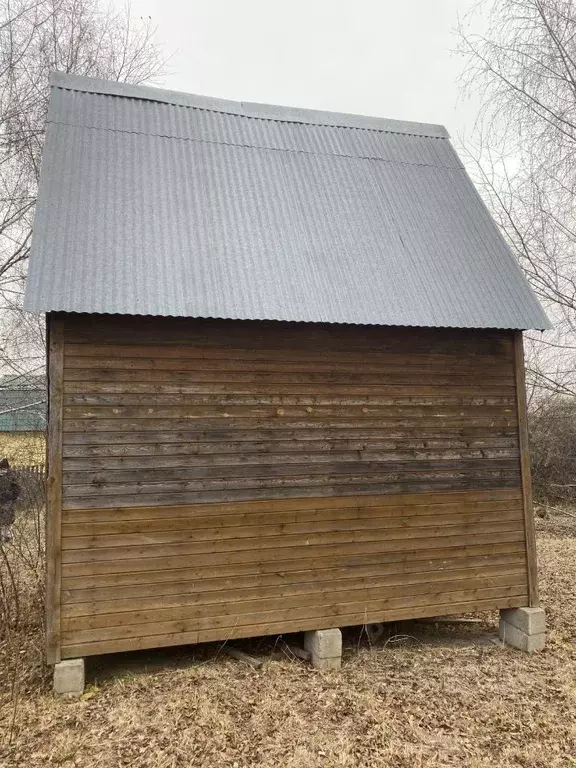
{"points": [[158, 203], [245, 109]]}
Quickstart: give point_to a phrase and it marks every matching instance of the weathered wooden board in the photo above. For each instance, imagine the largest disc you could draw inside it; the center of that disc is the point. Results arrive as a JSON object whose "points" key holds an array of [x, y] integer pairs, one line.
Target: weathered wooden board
{"points": [[166, 529], [341, 614], [224, 398], [400, 504], [289, 490], [103, 612], [162, 571], [225, 479], [55, 328], [412, 558], [287, 336], [240, 602], [530, 533], [218, 631], [80, 601]]}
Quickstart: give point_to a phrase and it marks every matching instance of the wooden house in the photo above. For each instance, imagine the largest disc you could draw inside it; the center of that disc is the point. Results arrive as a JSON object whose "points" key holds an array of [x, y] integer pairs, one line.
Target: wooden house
{"points": [[286, 382]]}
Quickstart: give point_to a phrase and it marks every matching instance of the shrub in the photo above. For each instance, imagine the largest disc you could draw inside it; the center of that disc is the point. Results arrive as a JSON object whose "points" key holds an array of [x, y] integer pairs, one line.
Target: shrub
{"points": [[22, 589], [552, 426]]}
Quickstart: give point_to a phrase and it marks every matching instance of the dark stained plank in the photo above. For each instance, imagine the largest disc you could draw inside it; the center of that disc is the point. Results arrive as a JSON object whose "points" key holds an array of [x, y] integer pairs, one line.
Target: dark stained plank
{"points": [[265, 469], [275, 335], [418, 434], [334, 398], [351, 425], [366, 410], [54, 488], [278, 379], [398, 446], [406, 366], [321, 455], [302, 485], [398, 504], [320, 355], [183, 496]]}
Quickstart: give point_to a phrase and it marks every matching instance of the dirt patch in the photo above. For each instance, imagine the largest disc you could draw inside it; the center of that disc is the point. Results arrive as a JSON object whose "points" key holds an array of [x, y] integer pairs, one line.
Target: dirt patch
{"points": [[427, 695]]}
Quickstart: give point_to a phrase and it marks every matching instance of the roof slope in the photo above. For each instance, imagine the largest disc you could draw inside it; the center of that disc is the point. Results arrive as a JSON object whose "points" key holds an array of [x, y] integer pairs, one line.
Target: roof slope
{"points": [[161, 203]]}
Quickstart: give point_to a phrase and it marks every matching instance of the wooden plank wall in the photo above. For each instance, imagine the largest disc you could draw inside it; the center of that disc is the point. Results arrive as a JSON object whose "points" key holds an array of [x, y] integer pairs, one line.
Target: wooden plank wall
{"points": [[227, 479]]}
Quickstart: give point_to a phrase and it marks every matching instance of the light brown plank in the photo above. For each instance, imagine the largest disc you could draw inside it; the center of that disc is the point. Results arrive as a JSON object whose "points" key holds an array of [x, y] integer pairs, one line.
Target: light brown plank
{"points": [[193, 531], [197, 581], [379, 585], [213, 620], [232, 525], [411, 538], [250, 601], [395, 562], [268, 627], [113, 561]]}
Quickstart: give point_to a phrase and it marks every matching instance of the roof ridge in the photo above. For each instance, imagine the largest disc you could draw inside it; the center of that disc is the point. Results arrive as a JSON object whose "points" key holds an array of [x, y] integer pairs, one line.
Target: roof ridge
{"points": [[245, 145], [271, 112]]}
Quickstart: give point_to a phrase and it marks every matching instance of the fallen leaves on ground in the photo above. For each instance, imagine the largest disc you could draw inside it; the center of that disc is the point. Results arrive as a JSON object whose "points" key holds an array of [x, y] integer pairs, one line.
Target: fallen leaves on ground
{"points": [[428, 695]]}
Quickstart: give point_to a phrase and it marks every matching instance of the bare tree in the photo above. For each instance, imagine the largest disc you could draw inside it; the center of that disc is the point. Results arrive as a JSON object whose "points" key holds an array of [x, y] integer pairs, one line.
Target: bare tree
{"points": [[524, 68], [37, 37]]}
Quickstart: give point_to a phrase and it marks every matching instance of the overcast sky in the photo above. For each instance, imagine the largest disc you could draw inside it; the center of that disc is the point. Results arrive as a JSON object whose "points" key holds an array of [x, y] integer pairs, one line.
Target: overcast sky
{"points": [[373, 57]]}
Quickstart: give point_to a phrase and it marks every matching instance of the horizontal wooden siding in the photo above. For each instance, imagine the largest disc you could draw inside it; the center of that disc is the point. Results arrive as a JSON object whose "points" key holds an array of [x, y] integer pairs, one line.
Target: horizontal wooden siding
{"points": [[229, 479], [154, 576], [199, 411]]}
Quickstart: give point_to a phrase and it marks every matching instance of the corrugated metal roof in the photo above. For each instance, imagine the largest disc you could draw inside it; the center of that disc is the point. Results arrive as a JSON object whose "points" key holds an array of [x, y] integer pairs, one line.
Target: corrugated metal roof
{"points": [[160, 203]]}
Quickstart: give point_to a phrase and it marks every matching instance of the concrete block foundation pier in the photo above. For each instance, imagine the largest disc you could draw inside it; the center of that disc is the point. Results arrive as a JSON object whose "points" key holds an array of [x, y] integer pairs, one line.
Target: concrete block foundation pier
{"points": [[523, 628]]}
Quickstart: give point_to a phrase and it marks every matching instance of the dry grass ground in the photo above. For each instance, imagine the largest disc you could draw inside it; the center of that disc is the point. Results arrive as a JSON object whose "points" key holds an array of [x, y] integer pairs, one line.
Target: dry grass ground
{"points": [[430, 695], [23, 448]]}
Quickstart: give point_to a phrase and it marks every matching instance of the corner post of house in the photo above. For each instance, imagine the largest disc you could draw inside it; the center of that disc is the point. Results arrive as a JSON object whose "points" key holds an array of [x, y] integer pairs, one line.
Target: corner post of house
{"points": [[524, 628], [55, 365], [525, 473]]}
